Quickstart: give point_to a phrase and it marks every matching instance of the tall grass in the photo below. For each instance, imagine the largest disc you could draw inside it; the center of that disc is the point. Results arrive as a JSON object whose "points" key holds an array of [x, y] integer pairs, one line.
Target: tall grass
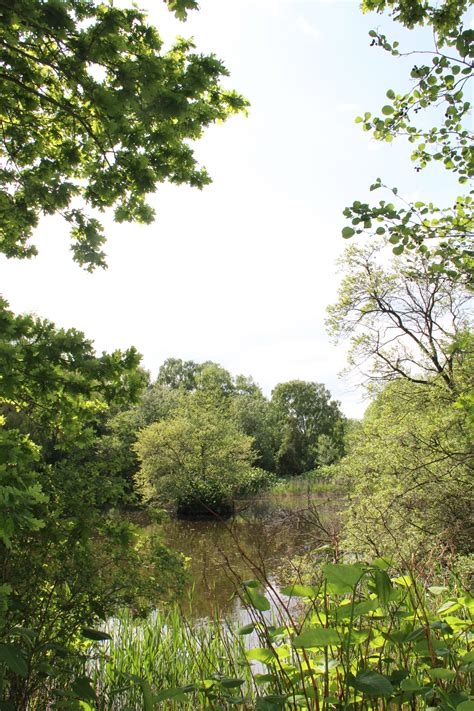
{"points": [[167, 652]]}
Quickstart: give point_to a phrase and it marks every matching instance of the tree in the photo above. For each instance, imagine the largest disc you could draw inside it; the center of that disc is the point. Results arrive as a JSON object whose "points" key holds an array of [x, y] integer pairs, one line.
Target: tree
{"points": [[305, 411], [441, 87], [197, 459], [403, 320], [178, 373], [409, 474], [66, 560], [94, 115], [256, 418]]}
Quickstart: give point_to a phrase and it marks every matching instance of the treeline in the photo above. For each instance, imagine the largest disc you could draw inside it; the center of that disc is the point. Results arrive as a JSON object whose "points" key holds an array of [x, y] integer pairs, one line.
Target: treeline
{"points": [[198, 436]]}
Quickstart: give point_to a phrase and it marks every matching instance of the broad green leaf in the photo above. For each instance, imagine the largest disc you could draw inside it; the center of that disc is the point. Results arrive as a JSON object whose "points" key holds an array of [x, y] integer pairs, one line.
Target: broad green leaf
{"points": [[348, 232], [82, 687], [260, 654], [342, 577], [383, 586], [437, 589], [466, 705], [246, 629], [231, 683], [258, 600], [441, 673], [316, 637], [372, 683], [411, 685], [168, 694], [387, 110], [264, 678]]}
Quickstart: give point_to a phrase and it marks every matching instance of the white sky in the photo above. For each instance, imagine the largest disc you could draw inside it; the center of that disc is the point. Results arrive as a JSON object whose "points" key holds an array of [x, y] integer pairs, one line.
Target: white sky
{"points": [[241, 273]]}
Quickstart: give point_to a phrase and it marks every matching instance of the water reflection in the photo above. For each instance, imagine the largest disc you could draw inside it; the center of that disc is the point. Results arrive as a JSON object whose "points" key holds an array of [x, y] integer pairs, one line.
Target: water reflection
{"points": [[263, 536]]}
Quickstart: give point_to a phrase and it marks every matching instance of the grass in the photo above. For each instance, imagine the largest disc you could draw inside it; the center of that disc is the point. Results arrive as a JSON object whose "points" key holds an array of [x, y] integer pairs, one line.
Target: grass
{"points": [[166, 652], [364, 637]]}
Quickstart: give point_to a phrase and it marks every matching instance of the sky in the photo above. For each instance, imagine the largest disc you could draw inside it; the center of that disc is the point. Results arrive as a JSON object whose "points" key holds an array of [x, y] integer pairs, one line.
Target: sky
{"points": [[241, 273]]}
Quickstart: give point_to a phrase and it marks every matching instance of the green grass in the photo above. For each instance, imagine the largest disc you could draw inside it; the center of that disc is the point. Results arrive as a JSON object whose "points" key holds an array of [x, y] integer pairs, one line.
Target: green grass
{"points": [[167, 652]]}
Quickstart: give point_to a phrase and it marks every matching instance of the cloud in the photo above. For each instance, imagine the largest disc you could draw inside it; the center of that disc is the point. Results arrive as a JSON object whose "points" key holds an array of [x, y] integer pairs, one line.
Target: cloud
{"points": [[307, 28]]}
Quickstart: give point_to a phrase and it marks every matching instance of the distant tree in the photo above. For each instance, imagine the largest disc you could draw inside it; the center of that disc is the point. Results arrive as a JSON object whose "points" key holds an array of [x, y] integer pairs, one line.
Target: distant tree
{"points": [[292, 455], [177, 373], [256, 417], [215, 380], [96, 115], [305, 411], [409, 473], [197, 459]]}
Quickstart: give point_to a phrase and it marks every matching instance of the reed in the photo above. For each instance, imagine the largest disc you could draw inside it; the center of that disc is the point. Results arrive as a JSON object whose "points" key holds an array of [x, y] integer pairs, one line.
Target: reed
{"points": [[168, 652]]}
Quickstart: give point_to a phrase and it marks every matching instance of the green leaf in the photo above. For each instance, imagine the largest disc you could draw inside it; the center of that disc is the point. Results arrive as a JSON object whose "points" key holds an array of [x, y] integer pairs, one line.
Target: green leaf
{"points": [[300, 591], [390, 94], [410, 685], [82, 687], [14, 657], [95, 635], [316, 637], [372, 683], [257, 600], [231, 683], [398, 250], [341, 576], [466, 705], [260, 654], [168, 694], [383, 586], [348, 232], [387, 110], [246, 629]]}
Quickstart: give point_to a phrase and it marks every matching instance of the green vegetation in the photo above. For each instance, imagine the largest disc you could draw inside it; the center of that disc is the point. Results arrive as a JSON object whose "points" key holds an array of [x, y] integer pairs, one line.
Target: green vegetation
{"points": [[369, 635], [439, 101], [197, 458], [93, 108], [94, 116]]}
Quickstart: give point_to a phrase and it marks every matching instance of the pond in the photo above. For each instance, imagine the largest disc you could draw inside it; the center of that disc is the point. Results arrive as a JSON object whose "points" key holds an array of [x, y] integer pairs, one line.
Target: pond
{"points": [[265, 534]]}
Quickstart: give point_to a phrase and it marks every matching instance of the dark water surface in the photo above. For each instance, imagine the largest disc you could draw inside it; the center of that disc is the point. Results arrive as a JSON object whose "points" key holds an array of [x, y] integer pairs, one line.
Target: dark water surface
{"points": [[259, 541]]}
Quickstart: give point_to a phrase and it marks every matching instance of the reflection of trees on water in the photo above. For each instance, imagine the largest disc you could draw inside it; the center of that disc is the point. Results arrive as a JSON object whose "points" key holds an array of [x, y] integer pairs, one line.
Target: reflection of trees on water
{"points": [[262, 535]]}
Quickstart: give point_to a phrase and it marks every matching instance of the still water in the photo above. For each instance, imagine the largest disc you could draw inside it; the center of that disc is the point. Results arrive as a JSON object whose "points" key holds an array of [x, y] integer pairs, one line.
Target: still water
{"points": [[265, 538]]}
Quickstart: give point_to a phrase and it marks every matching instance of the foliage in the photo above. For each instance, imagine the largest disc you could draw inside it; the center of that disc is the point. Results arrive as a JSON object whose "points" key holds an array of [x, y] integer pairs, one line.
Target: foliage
{"points": [[403, 320], [305, 412], [95, 115], [65, 561], [366, 638], [197, 458], [410, 474], [440, 86], [256, 418], [256, 481], [360, 636]]}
